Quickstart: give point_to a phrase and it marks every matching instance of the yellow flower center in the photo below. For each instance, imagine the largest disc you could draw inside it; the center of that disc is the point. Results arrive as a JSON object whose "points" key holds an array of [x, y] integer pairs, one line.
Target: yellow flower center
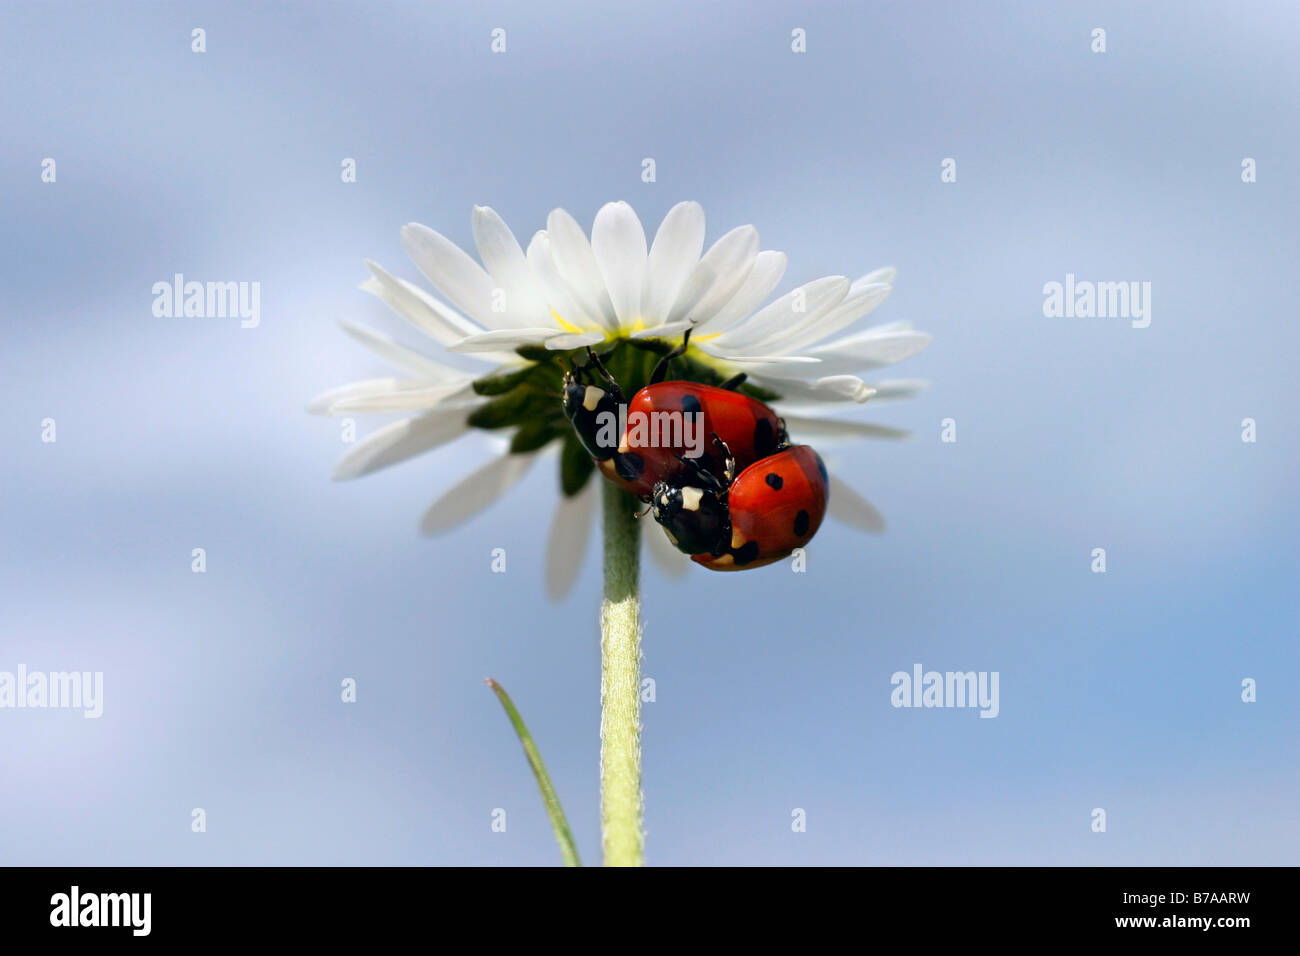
{"points": [[622, 332]]}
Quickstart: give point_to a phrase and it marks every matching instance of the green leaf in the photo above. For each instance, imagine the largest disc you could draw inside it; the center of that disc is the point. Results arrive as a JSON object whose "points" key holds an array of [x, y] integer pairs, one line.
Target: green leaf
{"points": [[576, 466], [563, 836]]}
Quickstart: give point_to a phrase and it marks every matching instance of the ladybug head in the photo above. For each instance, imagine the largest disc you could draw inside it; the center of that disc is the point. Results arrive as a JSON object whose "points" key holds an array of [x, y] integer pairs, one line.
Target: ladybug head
{"points": [[593, 412], [696, 519], [573, 393]]}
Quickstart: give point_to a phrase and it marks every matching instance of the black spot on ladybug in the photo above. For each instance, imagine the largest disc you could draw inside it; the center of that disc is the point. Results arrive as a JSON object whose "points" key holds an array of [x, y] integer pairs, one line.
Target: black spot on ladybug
{"points": [[821, 466], [629, 465], [764, 438], [746, 553], [691, 405], [801, 521], [775, 481]]}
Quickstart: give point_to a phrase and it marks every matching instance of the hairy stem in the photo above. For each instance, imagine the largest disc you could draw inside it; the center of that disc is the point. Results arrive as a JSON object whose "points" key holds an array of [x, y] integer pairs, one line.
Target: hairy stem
{"points": [[620, 684]]}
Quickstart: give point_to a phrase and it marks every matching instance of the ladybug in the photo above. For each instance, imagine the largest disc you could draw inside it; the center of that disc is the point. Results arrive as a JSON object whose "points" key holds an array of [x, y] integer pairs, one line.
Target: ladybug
{"points": [[652, 444], [770, 508]]}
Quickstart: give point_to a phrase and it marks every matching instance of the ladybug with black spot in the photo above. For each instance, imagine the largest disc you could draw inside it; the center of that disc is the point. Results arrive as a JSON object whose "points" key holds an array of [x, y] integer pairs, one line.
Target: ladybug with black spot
{"points": [[638, 460], [761, 515]]}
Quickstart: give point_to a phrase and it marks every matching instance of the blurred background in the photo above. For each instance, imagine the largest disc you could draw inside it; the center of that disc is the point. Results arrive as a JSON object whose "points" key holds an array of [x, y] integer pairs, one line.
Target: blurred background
{"points": [[1119, 691]]}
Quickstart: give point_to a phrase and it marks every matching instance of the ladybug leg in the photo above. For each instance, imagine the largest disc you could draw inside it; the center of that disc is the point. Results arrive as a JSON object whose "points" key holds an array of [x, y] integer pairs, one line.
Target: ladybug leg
{"points": [[729, 463], [661, 369], [783, 436], [706, 477], [594, 360], [734, 382]]}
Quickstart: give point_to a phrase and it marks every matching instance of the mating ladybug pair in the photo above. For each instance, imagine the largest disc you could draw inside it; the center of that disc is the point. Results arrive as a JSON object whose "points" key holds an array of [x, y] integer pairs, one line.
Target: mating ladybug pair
{"points": [[747, 498]]}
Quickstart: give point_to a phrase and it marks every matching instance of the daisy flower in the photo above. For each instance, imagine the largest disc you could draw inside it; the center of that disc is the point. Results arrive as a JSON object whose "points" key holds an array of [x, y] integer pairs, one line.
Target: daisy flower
{"points": [[517, 313]]}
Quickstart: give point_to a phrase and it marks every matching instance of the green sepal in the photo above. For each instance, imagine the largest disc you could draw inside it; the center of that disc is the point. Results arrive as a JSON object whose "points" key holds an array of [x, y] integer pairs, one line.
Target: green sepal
{"points": [[533, 435], [657, 346], [512, 409], [500, 384], [762, 394], [536, 353], [576, 466]]}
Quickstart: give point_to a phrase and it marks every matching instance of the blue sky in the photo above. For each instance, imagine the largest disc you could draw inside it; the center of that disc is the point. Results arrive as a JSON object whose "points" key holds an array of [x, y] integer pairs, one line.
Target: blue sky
{"points": [[1118, 690]]}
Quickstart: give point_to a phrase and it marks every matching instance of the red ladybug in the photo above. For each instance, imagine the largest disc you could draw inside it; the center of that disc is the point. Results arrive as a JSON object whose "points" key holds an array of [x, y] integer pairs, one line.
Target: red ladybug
{"points": [[652, 441], [769, 509]]}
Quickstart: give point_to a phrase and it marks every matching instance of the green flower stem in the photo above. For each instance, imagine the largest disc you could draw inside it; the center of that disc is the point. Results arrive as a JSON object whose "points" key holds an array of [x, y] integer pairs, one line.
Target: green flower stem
{"points": [[620, 684]]}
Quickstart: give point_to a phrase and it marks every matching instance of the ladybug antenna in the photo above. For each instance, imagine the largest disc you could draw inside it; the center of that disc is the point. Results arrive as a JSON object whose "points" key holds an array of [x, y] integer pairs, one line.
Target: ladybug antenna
{"points": [[594, 359], [661, 370], [642, 514]]}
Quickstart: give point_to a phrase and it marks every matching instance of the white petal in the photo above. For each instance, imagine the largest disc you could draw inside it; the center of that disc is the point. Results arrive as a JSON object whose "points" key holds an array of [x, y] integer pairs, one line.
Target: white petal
{"points": [[503, 338], [888, 390], [323, 403], [846, 388], [717, 277], [898, 388], [848, 506], [669, 330], [577, 265], [675, 252], [456, 275], [798, 306], [566, 547], [898, 325], [401, 440], [768, 268], [870, 349], [815, 328], [401, 356], [667, 558], [618, 243], [562, 298], [475, 492], [887, 275], [458, 395], [747, 361], [802, 428], [412, 303], [574, 340], [505, 261]]}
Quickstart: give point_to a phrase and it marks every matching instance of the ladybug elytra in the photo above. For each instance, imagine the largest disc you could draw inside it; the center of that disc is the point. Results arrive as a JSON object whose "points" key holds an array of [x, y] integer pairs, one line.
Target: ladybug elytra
{"points": [[743, 498], [664, 428], [770, 508]]}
